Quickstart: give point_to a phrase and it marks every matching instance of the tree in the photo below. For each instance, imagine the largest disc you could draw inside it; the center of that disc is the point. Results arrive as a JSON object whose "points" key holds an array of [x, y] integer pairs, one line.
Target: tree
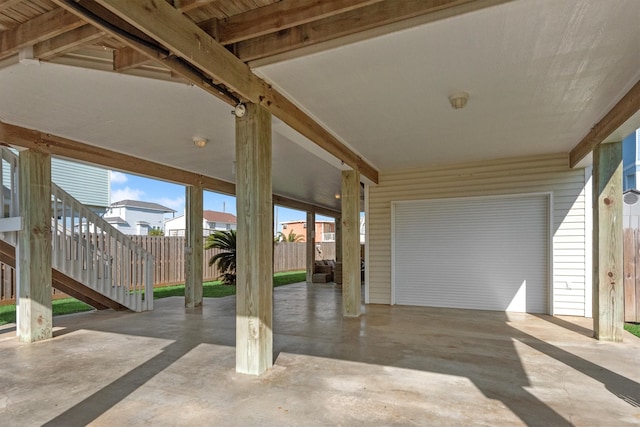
{"points": [[291, 237], [225, 260]]}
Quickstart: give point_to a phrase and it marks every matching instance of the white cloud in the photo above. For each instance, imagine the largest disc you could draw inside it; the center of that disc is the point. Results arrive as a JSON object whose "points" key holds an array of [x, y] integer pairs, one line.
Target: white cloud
{"points": [[176, 203], [118, 177], [126, 193]]}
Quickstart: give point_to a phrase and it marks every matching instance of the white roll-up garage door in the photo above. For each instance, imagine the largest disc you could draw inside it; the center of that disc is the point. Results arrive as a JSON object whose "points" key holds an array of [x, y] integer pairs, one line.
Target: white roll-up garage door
{"points": [[487, 253]]}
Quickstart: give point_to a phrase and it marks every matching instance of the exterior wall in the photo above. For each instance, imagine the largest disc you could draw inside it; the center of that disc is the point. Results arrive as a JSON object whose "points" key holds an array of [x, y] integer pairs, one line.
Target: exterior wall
{"points": [[176, 226], [510, 176], [325, 230], [133, 217], [210, 227], [87, 184]]}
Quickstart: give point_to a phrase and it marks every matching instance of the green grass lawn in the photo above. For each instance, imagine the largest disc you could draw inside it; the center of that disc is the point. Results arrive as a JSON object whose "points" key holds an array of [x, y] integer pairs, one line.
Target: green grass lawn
{"points": [[634, 328], [211, 290]]}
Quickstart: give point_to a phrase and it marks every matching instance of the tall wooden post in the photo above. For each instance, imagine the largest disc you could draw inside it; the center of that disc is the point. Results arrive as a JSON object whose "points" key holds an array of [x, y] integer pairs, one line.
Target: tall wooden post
{"points": [[254, 291], [33, 249], [351, 293], [194, 250], [338, 239], [311, 245], [608, 279]]}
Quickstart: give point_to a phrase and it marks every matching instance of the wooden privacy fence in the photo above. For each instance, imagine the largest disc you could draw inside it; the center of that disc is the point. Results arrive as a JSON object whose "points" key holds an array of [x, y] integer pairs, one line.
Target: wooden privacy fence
{"points": [[168, 253], [631, 275]]}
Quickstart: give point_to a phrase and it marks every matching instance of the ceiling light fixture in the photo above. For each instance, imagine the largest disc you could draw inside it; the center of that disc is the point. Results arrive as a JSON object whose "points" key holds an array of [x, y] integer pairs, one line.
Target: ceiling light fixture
{"points": [[200, 142], [458, 100], [338, 195], [240, 110]]}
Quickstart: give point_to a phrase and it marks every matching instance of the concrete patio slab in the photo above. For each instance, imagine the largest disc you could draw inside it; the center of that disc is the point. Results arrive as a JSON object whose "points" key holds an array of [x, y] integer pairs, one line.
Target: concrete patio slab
{"points": [[392, 366]]}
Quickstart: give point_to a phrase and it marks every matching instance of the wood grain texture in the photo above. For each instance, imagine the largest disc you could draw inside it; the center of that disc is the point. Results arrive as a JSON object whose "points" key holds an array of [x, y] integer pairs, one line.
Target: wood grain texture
{"points": [[185, 39], [351, 290], [376, 16], [58, 45], [310, 245], [280, 16], [194, 251], [630, 274], [33, 249], [608, 277], [254, 290], [43, 27]]}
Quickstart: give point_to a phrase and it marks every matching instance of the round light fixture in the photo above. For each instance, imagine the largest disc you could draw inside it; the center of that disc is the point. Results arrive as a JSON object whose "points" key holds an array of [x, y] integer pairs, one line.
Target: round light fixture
{"points": [[240, 110], [200, 142], [458, 100]]}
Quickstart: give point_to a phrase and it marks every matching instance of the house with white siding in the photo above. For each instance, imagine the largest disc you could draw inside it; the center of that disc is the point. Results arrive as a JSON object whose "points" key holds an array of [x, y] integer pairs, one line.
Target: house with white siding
{"points": [[88, 184], [211, 221], [136, 217]]}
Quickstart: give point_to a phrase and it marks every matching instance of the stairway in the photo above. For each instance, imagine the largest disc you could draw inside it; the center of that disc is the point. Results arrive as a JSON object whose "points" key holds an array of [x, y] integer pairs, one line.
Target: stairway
{"points": [[91, 260]]}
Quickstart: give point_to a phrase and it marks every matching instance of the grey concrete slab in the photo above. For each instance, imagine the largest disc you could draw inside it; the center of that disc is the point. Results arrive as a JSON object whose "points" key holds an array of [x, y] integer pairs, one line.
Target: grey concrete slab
{"points": [[392, 366]]}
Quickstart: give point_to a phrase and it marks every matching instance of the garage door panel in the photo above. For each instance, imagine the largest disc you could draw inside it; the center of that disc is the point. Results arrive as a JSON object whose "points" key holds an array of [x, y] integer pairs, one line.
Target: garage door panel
{"points": [[482, 253]]}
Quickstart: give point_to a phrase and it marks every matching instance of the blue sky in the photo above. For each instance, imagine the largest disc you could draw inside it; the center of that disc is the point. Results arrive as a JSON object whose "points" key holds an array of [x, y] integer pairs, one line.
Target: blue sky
{"points": [[133, 187]]}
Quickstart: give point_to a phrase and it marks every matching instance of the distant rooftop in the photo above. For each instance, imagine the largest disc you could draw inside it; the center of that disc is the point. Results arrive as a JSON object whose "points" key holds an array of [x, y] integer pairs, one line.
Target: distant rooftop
{"points": [[141, 205], [215, 216]]}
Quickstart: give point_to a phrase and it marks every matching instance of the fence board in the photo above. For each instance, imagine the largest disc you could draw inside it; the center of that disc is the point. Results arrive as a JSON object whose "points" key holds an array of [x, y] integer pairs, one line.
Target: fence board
{"points": [[631, 275], [168, 252]]}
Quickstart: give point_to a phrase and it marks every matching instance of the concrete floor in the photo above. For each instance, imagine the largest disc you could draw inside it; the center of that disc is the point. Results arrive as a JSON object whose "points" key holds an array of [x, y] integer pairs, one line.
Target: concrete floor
{"points": [[391, 366]]}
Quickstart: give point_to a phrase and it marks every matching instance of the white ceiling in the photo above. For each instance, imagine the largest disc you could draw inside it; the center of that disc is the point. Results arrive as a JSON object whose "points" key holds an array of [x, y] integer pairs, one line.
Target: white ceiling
{"points": [[540, 74], [155, 120]]}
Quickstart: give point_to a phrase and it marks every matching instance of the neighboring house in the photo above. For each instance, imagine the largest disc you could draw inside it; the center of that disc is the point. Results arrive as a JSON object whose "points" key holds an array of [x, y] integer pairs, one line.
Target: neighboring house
{"points": [[90, 185], [211, 221], [136, 217], [631, 160], [87, 184], [325, 230]]}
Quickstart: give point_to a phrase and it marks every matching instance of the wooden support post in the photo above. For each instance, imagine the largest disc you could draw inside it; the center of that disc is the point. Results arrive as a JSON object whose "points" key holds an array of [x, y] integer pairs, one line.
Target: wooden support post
{"points": [[33, 249], [608, 279], [338, 239], [311, 245], [351, 291], [194, 250], [254, 290]]}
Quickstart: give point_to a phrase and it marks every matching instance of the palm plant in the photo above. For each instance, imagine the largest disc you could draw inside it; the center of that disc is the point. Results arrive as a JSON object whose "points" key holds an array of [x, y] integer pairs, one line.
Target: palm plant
{"points": [[291, 237], [225, 261]]}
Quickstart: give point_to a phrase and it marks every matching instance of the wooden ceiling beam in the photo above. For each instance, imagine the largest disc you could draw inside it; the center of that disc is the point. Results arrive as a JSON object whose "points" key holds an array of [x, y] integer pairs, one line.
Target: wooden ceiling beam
{"points": [[64, 42], [185, 39], [127, 58], [378, 16], [36, 30], [172, 63], [303, 206], [75, 150], [64, 147], [187, 5], [280, 16], [620, 113], [6, 4]]}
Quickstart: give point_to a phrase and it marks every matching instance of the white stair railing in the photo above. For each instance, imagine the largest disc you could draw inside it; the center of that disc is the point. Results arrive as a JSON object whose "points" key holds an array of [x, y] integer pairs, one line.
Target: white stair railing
{"points": [[91, 251], [86, 247], [9, 190]]}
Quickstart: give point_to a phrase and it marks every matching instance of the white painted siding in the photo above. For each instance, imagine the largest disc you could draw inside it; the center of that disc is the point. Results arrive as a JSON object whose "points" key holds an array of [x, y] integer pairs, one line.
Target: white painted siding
{"points": [[510, 176], [87, 184]]}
